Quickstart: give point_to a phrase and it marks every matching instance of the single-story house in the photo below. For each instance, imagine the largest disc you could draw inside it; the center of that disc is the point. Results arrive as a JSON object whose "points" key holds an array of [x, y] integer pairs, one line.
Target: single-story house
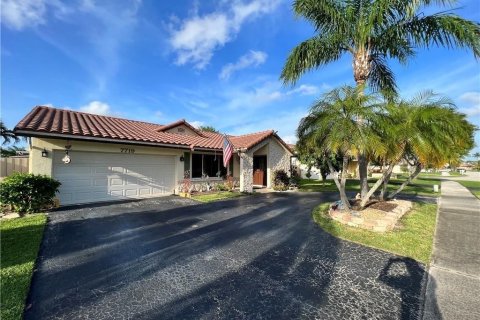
{"points": [[103, 158]]}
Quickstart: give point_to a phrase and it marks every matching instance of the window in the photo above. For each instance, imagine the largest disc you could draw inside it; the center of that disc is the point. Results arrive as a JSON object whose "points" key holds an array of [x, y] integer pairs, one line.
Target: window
{"points": [[207, 164]]}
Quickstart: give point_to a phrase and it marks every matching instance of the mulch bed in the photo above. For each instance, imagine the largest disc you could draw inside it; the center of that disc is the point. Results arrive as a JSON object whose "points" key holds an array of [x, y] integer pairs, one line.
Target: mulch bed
{"points": [[373, 204], [379, 216]]}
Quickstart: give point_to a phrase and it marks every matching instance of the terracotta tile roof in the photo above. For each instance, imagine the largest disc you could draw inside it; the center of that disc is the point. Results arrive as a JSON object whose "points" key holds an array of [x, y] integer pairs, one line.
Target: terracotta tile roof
{"points": [[53, 122], [250, 140], [178, 123]]}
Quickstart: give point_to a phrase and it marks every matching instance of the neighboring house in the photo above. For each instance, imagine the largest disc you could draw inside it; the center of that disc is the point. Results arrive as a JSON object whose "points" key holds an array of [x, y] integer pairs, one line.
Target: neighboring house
{"points": [[113, 158]]}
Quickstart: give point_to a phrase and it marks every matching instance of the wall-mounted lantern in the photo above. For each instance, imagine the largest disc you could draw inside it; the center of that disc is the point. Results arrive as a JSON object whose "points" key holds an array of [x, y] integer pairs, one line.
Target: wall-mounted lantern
{"points": [[66, 159], [44, 153], [182, 159]]}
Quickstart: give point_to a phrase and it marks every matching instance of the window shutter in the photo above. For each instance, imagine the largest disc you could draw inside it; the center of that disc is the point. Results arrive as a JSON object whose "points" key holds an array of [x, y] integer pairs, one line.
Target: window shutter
{"points": [[186, 161], [231, 164]]}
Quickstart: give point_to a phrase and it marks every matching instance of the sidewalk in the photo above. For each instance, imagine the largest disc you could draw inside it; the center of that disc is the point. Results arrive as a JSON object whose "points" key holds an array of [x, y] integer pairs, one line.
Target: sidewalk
{"points": [[454, 277]]}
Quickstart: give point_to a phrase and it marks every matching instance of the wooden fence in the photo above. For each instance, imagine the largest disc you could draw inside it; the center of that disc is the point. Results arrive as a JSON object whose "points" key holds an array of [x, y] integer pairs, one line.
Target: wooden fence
{"points": [[13, 164]]}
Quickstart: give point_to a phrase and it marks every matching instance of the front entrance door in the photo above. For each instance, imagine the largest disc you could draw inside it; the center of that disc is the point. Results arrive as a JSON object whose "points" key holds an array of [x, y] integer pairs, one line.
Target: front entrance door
{"points": [[260, 170]]}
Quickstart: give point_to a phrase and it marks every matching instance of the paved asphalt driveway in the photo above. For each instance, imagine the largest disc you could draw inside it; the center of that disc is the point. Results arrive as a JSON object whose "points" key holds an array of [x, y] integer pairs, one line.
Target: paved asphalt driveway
{"points": [[248, 258]]}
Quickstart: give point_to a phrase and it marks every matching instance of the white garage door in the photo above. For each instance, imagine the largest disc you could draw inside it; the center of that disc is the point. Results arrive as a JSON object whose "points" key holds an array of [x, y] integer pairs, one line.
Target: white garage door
{"points": [[92, 177]]}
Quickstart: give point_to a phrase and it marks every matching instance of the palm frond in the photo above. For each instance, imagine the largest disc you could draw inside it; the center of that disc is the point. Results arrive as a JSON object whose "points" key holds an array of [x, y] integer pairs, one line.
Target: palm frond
{"points": [[311, 54], [381, 77]]}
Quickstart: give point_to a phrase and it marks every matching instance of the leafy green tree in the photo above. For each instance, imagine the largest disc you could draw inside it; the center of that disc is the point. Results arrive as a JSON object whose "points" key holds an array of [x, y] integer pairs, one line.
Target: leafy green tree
{"points": [[312, 158], [11, 151], [208, 129], [372, 32]]}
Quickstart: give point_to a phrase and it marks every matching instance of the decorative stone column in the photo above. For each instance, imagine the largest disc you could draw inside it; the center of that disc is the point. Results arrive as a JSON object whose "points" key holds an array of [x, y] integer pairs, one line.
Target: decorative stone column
{"points": [[246, 172]]}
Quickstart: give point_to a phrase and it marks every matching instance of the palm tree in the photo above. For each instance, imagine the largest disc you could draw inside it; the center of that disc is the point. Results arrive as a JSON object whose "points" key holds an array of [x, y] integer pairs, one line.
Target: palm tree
{"points": [[7, 135], [332, 128], [372, 32], [426, 130]]}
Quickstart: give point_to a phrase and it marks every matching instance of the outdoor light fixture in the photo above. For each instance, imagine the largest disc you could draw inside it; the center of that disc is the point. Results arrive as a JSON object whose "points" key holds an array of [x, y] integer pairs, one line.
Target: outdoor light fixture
{"points": [[44, 153], [67, 159], [182, 159]]}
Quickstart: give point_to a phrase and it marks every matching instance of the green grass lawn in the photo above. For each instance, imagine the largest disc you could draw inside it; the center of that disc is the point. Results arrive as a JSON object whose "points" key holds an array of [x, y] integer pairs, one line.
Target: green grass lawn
{"points": [[413, 239], [473, 186], [431, 174], [455, 174], [215, 196], [21, 239], [439, 174], [421, 186]]}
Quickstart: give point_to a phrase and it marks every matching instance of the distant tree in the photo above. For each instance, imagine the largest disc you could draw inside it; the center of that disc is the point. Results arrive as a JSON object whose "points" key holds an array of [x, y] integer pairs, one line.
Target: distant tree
{"points": [[208, 129], [7, 135], [11, 151], [311, 158], [477, 155]]}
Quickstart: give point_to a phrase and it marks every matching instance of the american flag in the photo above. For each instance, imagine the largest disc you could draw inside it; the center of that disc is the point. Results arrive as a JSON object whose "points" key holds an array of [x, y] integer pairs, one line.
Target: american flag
{"points": [[227, 151]]}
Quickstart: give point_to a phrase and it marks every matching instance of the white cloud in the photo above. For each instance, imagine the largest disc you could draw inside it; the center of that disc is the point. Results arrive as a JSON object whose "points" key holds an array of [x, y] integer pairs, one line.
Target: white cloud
{"points": [[290, 139], [196, 39], [196, 124], [471, 111], [305, 90], [103, 28], [96, 107], [21, 14], [472, 97], [252, 58], [472, 101]]}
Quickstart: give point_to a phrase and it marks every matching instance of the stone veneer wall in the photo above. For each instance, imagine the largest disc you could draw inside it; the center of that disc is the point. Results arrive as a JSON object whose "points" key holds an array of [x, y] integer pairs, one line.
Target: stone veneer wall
{"points": [[246, 171], [279, 157]]}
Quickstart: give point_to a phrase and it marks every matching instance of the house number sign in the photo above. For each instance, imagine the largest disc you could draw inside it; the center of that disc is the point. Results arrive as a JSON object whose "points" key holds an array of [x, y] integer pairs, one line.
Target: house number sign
{"points": [[127, 150]]}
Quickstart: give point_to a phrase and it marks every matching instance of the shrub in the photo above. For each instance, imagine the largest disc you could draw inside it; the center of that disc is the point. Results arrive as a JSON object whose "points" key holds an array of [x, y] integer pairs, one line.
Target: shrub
{"points": [[222, 187], [230, 183], [280, 180], [28, 193], [295, 178]]}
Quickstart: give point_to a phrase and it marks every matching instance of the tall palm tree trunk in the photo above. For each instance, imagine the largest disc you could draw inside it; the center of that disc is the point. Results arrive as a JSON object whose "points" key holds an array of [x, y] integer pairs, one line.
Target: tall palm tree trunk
{"points": [[361, 70]]}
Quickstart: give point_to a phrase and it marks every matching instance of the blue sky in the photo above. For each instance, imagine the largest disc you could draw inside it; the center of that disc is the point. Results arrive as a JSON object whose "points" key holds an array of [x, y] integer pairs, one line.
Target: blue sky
{"points": [[211, 62]]}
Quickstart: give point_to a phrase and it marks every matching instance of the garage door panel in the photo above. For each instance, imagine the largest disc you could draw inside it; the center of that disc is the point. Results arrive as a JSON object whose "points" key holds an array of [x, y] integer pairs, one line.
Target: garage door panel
{"points": [[94, 177], [77, 183], [100, 182]]}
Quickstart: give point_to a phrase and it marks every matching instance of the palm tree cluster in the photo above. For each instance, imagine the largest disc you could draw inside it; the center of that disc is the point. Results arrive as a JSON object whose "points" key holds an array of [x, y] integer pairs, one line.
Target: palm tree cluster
{"points": [[373, 32], [424, 131]]}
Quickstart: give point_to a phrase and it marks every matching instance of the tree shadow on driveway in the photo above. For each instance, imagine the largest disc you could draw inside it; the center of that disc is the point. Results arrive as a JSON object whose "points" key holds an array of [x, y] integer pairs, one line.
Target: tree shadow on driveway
{"points": [[249, 258]]}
